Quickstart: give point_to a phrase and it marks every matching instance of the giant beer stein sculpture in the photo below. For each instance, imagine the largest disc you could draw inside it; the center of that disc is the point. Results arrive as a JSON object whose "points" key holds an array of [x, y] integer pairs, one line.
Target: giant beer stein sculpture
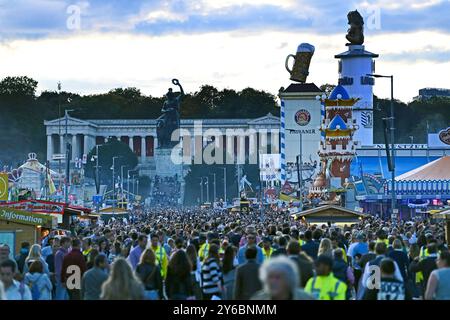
{"points": [[302, 59]]}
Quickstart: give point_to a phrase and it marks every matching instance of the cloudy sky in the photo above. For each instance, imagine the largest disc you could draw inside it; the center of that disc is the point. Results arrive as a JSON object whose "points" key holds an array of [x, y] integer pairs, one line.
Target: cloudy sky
{"points": [[93, 46]]}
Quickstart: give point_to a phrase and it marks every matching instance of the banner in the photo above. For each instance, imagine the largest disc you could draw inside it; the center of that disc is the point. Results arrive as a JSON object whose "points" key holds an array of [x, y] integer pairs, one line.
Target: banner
{"points": [[269, 167], [4, 187], [18, 216], [38, 206]]}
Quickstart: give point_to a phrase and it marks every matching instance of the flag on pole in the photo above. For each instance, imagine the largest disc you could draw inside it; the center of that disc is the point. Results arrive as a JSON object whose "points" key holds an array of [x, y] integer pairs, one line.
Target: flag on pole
{"points": [[51, 184]]}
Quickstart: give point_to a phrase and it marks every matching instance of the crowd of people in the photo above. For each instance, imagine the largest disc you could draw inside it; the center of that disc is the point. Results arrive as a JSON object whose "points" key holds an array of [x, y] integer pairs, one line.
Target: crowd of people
{"points": [[165, 191], [203, 254]]}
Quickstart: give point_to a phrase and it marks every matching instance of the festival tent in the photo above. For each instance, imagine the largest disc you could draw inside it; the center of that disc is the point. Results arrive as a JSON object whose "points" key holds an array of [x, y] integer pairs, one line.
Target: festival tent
{"points": [[436, 170], [431, 179]]}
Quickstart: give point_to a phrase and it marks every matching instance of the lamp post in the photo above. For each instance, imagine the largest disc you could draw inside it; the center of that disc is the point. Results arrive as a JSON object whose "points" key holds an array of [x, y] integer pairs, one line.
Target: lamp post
{"points": [[207, 188], [392, 135], [299, 166], [128, 186], [137, 186], [97, 181], [114, 180], [201, 190], [59, 131], [121, 178], [68, 154], [412, 144], [225, 184], [214, 186]]}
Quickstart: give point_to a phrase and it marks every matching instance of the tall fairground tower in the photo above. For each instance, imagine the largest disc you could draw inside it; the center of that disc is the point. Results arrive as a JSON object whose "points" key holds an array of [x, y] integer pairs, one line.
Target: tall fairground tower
{"points": [[337, 147]]}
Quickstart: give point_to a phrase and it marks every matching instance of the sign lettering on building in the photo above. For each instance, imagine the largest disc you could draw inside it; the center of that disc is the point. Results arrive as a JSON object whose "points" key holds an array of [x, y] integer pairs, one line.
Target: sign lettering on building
{"points": [[13, 215]]}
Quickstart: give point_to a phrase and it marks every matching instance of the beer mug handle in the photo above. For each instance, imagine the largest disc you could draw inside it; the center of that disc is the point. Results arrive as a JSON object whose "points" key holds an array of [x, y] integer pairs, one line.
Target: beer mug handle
{"points": [[287, 61]]}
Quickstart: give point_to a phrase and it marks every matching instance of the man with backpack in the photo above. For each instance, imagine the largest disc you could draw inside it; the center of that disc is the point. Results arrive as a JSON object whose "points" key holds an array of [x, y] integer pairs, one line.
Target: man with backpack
{"points": [[14, 289]]}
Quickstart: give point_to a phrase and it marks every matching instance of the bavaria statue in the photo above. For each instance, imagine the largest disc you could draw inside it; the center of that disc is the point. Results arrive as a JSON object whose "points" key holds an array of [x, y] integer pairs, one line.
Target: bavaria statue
{"points": [[170, 117]]}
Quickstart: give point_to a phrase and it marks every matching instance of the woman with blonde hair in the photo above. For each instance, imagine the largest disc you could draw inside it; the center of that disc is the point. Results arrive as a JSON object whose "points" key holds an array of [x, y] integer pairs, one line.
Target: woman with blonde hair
{"points": [[326, 248], [122, 284], [35, 255]]}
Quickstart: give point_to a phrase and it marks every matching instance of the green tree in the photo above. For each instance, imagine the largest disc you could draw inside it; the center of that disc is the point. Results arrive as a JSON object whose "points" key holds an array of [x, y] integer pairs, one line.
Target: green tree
{"points": [[18, 86]]}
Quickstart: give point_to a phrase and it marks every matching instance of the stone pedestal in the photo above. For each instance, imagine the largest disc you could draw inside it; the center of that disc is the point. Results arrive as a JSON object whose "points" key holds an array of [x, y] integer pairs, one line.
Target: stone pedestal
{"points": [[165, 166]]}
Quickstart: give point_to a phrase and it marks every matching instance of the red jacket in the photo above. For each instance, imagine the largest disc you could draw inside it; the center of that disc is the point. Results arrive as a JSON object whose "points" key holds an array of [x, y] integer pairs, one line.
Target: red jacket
{"points": [[74, 257]]}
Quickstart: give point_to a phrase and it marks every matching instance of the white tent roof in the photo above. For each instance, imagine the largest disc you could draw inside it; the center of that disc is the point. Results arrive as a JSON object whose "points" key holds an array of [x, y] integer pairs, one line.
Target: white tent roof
{"points": [[436, 170]]}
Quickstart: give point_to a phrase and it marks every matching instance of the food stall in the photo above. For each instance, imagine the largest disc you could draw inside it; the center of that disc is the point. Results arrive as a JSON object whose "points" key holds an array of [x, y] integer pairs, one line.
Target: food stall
{"points": [[17, 226], [330, 214]]}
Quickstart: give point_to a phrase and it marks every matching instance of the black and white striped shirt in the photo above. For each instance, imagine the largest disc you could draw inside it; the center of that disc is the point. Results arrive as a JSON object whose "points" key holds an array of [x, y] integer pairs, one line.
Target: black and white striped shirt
{"points": [[211, 276]]}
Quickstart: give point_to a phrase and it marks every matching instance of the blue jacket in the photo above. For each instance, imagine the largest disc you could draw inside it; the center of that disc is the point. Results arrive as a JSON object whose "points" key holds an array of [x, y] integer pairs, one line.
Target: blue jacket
{"points": [[241, 255]]}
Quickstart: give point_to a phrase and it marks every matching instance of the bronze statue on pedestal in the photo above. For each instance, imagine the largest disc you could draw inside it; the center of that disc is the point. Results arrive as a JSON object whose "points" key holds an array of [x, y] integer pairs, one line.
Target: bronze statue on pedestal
{"points": [[170, 117]]}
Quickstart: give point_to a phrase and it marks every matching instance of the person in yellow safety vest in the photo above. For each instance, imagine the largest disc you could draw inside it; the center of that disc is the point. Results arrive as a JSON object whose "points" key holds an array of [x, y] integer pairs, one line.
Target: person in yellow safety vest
{"points": [[267, 249], [324, 285], [86, 247], [301, 242], [161, 255], [203, 248], [423, 254], [382, 237]]}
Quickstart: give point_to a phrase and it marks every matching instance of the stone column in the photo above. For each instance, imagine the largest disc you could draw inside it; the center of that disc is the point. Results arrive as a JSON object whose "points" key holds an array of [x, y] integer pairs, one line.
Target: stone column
{"points": [[86, 144], [62, 147], [241, 150], [143, 149], [155, 143], [74, 147], [252, 149], [130, 143], [49, 147]]}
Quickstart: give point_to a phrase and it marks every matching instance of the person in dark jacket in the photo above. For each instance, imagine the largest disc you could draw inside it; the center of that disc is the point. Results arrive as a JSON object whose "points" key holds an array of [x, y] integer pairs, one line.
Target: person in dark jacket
{"points": [[73, 258], [368, 256], [247, 281], [179, 284], [311, 247], [150, 274], [426, 265], [340, 268], [390, 288], [281, 250], [399, 255], [304, 263], [22, 256]]}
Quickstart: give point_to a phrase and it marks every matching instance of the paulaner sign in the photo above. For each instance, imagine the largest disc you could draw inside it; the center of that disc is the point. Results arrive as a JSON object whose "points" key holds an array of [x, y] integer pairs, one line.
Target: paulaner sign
{"points": [[18, 216]]}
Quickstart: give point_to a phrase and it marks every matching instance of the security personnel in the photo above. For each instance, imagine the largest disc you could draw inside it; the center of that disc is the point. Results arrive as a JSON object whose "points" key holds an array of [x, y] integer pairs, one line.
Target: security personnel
{"points": [[87, 247], [382, 237], [203, 247], [267, 249], [161, 255], [324, 285], [423, 254]]}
